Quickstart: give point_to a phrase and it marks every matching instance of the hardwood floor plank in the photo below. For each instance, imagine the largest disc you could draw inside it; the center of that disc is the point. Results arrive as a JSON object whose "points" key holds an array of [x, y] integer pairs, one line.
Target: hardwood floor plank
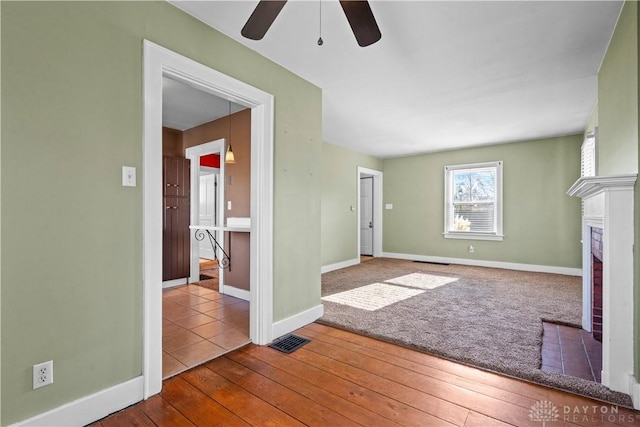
{"points": [[164, 414], [131, 416], [465, 371], [344, 379], [564, 401], [417, 390], [297, 405], [370, 373], [387, 407], [317, 394], [199, 408], [245, 405], [488, 390], [480, 377], [478, 420]]}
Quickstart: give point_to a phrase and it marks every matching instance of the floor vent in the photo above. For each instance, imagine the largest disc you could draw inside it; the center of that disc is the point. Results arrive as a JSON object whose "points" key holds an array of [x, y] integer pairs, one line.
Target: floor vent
{"points": [[289, 343], [432, 262]]}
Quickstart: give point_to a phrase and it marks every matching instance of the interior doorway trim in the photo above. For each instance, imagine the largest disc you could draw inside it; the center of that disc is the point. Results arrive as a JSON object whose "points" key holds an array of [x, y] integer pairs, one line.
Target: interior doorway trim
{"points": [[194, 154], [377, 208], [159, 62]]}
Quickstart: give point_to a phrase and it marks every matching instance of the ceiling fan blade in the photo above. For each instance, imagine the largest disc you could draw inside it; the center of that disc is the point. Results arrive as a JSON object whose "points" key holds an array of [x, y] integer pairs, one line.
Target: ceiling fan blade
{"points": [[363, 23], [261, 19]]}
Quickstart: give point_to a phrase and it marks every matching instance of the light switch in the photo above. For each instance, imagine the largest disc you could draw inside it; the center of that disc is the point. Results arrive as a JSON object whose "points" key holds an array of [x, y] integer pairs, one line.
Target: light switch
{"points": [[128, 176], [228, 205], [388, 206]]}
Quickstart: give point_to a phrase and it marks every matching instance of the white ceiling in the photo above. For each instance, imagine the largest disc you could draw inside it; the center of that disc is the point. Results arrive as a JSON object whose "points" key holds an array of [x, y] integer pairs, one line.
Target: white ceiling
{"points": [[445, 74], [184, 106]]}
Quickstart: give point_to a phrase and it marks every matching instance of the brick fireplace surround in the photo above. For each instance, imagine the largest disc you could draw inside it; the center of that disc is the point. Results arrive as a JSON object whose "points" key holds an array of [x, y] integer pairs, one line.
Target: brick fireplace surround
{"points": [[609, 206]]}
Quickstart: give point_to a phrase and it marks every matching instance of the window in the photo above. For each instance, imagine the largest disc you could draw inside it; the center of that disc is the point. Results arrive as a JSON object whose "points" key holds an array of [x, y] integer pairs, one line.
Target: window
{"points": [[473, 201], [588, 156]]}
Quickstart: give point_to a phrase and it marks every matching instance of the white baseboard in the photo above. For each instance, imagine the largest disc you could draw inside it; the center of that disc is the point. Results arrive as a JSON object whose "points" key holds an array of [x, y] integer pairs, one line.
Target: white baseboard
{"points": [[297, 321], [90, 408], [492, 264], [236, 292], [634, 392], [174, 282], [339, 265]]}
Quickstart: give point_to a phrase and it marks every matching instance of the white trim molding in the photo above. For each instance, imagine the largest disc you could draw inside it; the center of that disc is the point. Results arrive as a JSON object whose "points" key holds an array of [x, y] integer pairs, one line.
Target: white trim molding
{"points": [[297, 321], [158, 63], [634, 386], [568, 271], [339, 265], [174, 282], [377, 208], [449, 173], [591, 185], [194, 154], [242, 294], [609, 204], [90, 408]]}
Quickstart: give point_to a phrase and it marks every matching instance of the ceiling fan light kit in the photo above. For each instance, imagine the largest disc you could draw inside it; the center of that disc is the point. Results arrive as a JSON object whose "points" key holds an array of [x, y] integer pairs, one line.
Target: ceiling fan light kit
{"points": [[358, 13]]}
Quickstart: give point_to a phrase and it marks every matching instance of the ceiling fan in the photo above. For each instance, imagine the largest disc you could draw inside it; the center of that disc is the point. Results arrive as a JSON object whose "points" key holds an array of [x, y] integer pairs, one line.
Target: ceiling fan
{"points": [[358, 13]]}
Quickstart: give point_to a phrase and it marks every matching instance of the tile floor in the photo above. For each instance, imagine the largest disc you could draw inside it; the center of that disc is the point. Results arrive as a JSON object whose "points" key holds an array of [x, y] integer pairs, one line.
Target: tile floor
{"points": [[571, 351], [199, 324]]}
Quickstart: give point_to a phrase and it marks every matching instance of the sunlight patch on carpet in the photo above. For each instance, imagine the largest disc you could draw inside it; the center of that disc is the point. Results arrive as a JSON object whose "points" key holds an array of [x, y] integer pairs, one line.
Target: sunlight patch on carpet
{"points": [[373, 297], [422, 280]]}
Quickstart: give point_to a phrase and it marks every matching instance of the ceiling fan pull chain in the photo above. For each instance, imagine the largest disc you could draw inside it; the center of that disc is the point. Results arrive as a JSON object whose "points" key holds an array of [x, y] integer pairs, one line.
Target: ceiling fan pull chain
{"points": [[320, 41]]}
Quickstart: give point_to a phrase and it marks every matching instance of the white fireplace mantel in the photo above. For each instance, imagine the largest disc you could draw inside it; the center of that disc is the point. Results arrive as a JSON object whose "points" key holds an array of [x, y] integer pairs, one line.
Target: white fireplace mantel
{"points": [[608, 203], [591, 185]]}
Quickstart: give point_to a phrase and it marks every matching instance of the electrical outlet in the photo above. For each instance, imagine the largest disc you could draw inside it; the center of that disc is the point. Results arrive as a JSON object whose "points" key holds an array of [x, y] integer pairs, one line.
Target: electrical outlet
{"points": [[42, 374], [471, 249]]}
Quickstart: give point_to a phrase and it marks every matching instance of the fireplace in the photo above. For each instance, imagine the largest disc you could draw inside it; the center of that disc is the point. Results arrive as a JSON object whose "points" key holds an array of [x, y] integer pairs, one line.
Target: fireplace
{"points": [[607, 266]]}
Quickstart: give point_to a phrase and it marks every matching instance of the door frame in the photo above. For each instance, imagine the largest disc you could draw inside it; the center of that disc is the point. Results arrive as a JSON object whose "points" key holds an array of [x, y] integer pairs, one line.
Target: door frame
{"points": [[377, 209], [159, 62], [194, 153], [368, 179]]}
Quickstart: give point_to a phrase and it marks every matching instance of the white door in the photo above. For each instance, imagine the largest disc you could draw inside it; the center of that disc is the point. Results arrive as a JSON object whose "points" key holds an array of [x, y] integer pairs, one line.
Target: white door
{"points": [[208, 197], [366, 216]]}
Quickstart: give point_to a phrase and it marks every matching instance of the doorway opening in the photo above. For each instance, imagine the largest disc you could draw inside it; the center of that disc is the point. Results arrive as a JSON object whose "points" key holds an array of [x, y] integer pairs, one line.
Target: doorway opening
{"points": [[369, 188], [158, 63], [366, 216]]}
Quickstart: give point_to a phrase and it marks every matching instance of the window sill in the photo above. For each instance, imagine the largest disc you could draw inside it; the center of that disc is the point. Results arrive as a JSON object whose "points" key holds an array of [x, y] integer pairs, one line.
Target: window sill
{"points": [[473, 236]]}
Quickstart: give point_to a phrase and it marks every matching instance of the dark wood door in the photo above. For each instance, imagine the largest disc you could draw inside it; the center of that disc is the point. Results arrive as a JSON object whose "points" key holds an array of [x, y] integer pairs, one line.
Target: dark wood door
{"points": [[176, 176], [176, 242]]}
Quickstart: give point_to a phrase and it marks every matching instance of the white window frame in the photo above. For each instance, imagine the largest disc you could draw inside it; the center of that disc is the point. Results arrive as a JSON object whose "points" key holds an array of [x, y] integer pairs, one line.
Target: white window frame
{"points": [[448, 202]]}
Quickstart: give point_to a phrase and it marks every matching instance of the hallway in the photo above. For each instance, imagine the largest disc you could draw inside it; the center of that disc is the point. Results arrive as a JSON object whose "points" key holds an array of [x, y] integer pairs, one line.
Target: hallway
{"points": [[199, 324]]}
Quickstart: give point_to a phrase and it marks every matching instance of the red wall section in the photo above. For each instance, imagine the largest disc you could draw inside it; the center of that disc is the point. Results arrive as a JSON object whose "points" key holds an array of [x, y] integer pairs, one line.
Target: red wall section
{"points": [[211, 160]]}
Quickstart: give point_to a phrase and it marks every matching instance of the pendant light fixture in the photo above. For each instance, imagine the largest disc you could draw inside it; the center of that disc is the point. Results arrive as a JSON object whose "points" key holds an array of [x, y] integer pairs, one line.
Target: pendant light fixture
{"points": [[229, 157]]}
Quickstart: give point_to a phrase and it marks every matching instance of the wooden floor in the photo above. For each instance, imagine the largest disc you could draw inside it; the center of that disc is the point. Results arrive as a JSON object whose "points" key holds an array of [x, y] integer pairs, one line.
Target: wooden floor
{"points": [[340, 379]]}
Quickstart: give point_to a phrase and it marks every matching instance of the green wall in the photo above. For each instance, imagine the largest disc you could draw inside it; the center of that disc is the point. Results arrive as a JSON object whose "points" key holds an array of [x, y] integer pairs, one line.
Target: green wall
{"points": [[71, 237], [541, 223], [619, 125], [636, 228], [339, 193], [618, 98]]}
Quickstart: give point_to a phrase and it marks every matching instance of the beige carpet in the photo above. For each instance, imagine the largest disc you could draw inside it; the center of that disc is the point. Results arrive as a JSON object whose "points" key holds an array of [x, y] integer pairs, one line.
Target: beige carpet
{"points": [[489, 318]]}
